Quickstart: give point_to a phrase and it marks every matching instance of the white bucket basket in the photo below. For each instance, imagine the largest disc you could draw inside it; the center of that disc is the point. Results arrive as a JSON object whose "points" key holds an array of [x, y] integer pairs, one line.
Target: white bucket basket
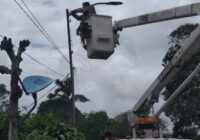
{"points": [[100, 44]]}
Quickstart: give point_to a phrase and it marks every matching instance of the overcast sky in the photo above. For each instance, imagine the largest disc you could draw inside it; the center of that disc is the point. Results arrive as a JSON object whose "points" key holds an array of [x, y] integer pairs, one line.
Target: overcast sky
{"points": [[115, 84]]}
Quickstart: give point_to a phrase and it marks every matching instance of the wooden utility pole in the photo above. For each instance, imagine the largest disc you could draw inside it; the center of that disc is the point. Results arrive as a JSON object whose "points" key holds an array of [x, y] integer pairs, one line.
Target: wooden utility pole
{"points": [[71, 66], [16, 91]]}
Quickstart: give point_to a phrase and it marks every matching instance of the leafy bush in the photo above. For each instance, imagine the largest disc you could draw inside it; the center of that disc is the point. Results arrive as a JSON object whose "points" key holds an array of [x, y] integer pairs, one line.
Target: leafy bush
{"points": [[40, 127]]}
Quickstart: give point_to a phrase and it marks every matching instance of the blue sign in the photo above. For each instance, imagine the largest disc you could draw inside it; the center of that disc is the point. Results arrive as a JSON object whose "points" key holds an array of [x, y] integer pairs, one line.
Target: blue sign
{"points": [[36, 83]]}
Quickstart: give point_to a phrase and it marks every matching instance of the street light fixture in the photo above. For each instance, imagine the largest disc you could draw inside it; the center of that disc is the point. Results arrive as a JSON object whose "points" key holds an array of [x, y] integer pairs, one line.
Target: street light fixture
{"points": [[108, 3]]}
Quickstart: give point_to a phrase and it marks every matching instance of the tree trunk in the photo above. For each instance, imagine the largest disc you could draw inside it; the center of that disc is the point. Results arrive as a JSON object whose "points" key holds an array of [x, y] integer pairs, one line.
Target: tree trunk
{"points": [[12, 134], [16, 93]]}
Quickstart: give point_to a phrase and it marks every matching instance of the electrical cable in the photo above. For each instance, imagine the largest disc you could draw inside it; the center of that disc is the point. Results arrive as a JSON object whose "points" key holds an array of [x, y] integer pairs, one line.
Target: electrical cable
{"points": [[50, 69], [39, 24], [46, 35], [41, 27]]}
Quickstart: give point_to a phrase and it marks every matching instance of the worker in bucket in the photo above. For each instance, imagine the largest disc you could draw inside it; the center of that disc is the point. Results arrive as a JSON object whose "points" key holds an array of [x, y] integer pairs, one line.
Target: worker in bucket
{"points": [[82, 14]]}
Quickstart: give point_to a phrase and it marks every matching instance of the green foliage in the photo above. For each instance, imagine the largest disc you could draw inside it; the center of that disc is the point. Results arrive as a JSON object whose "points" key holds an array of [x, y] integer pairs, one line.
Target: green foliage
{"points": [[4, 104], [60, 109], [4, 122], [181, 111], [119, 126], [184, 132], [177, 39], [60, 102], [93, 124], [64, 91], [3, 90], [46, 127], [35, 135]]}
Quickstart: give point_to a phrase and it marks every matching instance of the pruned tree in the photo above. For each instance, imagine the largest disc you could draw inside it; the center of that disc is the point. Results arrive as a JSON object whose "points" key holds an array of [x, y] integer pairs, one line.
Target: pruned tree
{"points": [[14, 71]]}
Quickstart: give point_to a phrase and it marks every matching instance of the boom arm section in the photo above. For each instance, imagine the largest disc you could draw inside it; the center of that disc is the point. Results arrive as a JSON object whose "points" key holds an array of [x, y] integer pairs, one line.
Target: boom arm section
{"points": [[164, 15], [191, 46]]}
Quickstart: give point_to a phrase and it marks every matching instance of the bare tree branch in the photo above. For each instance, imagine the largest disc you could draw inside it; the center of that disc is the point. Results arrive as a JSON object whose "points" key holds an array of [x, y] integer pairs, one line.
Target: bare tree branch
{"points": [[7, 46], [4, 70], [22, 47]]}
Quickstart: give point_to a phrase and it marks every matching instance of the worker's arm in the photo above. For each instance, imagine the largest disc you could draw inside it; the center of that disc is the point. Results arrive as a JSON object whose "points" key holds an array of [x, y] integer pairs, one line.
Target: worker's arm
{"points": [[76, 16], [79, 10]]}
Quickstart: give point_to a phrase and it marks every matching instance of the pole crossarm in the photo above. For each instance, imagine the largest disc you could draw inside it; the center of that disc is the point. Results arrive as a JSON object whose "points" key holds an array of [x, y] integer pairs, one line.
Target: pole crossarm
{"points": [[164, 15]]}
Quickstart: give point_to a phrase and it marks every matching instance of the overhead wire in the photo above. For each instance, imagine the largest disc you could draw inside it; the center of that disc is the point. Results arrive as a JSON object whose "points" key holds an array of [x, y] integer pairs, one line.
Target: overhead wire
{"points": [[44, 65], [43, 29], [40, 28], [37, 61]]}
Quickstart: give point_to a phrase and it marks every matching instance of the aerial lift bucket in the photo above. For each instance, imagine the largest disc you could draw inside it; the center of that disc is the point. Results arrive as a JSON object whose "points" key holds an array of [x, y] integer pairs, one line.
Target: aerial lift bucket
{"points": [[100, 44]]}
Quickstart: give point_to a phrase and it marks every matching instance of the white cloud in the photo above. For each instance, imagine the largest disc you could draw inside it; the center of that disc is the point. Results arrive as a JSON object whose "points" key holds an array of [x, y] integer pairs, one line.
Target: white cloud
{"points": [[184, 2]]}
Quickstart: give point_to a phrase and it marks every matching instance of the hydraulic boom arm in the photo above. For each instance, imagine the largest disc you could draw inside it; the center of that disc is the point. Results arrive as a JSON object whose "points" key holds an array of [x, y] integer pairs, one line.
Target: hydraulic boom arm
{"points": [[145, 103], [191, 46], [164, 15]]}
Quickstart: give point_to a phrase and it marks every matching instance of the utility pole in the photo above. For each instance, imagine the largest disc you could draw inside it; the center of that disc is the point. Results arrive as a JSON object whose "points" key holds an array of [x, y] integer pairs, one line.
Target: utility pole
{"points": [[16, 91], [71, 66]]}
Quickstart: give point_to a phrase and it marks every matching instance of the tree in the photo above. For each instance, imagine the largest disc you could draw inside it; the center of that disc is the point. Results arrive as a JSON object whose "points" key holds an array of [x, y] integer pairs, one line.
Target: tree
{"points": [[177, 39], [60, 102], [181, 111], [15, 71], [119, 126], [59, 108], [92, 125]]}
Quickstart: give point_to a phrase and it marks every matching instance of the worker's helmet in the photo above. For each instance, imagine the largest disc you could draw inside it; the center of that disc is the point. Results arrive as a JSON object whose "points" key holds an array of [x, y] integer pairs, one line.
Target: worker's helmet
{"points": [[86, 4]]}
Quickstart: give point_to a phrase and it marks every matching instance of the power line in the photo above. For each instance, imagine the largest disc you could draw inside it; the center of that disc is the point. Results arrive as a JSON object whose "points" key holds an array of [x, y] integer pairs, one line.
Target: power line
{"points": [[43, 65], [50, 69], [40, 28]]}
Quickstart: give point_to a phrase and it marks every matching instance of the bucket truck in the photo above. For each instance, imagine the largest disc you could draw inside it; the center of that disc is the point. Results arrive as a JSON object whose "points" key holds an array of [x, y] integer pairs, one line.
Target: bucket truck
{"points": [[141, 124], [103, 39]]}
